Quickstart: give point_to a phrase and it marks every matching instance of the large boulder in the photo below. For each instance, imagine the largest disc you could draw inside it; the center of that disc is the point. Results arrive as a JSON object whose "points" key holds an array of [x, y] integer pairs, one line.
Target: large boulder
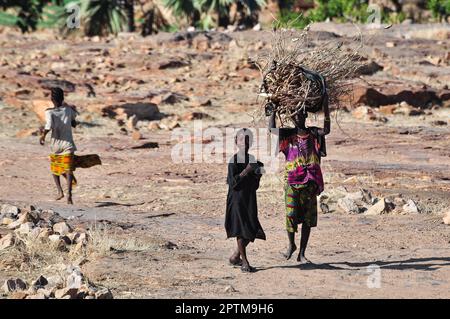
{"points": [[391, 92], [347, 205], [142, 111], [11, 285], [9, 211]]}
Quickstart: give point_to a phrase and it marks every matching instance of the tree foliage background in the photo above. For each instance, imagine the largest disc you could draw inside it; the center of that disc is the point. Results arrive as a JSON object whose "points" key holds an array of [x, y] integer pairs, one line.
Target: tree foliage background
{"points": [[100, 17]]}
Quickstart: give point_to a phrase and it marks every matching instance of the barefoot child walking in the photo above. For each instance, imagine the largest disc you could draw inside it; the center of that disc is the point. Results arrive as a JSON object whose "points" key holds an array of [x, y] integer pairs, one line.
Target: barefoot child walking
{"points": [[59, 120], [241, 219]]}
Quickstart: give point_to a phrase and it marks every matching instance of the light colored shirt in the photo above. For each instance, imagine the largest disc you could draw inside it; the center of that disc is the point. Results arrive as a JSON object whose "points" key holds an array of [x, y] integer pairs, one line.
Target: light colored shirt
{"points": [[59, 121]]}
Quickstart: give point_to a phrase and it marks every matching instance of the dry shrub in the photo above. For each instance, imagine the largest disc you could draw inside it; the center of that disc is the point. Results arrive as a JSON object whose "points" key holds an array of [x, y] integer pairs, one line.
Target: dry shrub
{"points": [[103, 241], [34, 257]]}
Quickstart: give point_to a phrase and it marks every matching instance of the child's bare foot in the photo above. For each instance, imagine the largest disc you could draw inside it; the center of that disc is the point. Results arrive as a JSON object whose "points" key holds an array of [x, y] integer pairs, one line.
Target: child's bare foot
{"points": [[69, 201], [288, 254], [303, 260], [247, 268], [235, 261], [59, 196]]}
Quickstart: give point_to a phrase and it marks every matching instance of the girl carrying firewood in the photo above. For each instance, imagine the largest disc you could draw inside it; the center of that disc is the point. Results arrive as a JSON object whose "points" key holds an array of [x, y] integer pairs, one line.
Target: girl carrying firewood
{"points": [[303, 148]]}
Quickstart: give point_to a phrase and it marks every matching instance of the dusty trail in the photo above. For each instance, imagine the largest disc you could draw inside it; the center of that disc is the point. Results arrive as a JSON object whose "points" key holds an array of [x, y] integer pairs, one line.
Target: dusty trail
{"points": [[142, 194], [163, 222]]}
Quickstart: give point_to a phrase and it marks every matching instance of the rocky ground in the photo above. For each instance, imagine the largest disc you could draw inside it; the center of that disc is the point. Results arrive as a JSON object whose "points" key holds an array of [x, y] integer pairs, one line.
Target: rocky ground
{"points": [[154, 228]]}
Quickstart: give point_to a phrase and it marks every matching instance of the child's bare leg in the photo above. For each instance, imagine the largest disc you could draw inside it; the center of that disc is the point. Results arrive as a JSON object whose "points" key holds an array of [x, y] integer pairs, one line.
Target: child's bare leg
{"points": [[235, 259], [292, 247], [242, 244], [58, 187], [306, 231], [69, 188]]}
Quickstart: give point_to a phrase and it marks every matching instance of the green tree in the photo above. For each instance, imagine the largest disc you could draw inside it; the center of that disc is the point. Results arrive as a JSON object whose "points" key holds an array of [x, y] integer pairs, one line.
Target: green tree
{"points": [[188, 9], [248, 12], [209, 13], [24, 14], [439, 8], [98, 17], [340, 10]]}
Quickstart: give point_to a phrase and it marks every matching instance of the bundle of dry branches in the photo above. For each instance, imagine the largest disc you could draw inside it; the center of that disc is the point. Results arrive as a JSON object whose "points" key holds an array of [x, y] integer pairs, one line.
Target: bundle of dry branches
{"points": [[298, 75]]}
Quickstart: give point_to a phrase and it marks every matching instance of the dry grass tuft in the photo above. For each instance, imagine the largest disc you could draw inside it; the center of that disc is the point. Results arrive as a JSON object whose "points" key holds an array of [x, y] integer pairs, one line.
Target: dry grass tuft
{"points": [[103, 241], [33, 257]]}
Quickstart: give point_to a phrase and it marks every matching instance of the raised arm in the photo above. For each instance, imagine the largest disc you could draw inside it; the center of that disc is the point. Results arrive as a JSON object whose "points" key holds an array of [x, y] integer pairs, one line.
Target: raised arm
{"points": [[327, 120], [44, 133], [272, 121]]}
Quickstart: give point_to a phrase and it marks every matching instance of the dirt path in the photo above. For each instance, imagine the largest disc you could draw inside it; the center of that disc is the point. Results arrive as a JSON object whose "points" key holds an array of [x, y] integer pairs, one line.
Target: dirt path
{"points": [[176, 212]]}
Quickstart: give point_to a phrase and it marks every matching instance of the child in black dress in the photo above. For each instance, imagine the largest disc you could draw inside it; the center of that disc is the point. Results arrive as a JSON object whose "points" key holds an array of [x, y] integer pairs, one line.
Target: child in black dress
{"points": [[241, 220]]}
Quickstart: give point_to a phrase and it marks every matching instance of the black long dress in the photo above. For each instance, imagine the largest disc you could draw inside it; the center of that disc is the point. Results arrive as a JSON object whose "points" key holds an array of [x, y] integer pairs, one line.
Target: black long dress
{"points": [[241, 218]]}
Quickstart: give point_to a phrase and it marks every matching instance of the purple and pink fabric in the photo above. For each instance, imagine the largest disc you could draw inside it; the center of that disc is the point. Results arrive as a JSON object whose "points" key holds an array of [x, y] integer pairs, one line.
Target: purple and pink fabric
{"points": [[302, 160]]}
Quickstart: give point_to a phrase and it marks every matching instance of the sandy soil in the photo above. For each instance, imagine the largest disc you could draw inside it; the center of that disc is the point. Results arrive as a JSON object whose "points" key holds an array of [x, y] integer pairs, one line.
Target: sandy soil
{"points": [[176, 211]]}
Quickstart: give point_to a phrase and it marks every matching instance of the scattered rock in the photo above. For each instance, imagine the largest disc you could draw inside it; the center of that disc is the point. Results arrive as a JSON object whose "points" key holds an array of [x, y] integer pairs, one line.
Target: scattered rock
{"points": [[229, 289], [386, 93], [142, 111], [391, 44], [66, 293], [369, 68], [201, 101], [65, 240], [45, 233], [74, 280], [55, 281], [11, 285], [61, 228], [195, 116], [347, 205], [39, 296], [410, 207], [324, 208], [172, 98], [382, 206], [7, 241], [40, 282], [388, 109], [18, 295], [14, 225], [172, 64], [169, 125], [153, 126], [446, 218], [406, 109], [103, 293], [439, 123], [25, 228], [364, 113], [169, 245], [9, 211], [136, 135], [6, 221], [78, 237], [54, 238]]}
